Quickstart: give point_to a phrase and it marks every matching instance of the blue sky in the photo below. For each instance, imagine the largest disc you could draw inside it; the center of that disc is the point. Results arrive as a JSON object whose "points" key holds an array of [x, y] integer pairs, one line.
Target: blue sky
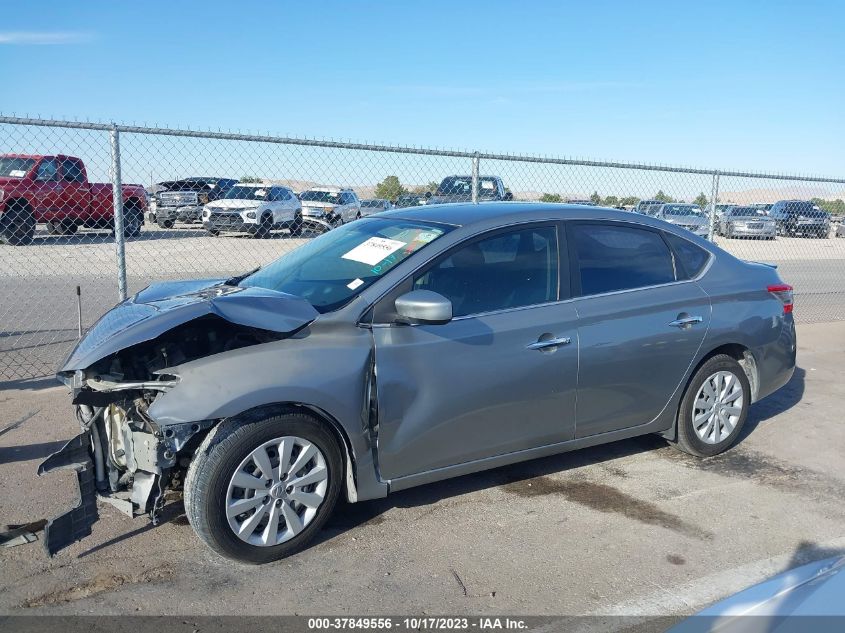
{"points": [[745, 85]]}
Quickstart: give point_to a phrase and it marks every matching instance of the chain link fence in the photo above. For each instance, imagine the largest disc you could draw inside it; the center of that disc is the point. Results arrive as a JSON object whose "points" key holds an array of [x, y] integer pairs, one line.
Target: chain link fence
{"points": [[92, 213]]}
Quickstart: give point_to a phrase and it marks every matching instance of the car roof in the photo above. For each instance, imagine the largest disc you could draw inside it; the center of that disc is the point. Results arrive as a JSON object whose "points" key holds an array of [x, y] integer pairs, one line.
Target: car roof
{"points": [[467, 214], [257, 184]]}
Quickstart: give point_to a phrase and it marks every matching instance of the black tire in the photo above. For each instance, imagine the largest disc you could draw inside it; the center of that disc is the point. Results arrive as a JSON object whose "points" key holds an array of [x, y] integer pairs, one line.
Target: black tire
{"points": [[217, 459], [264, 228], [296, 227], [133, 220], [166, 224], [17, 224], [687, 439]]}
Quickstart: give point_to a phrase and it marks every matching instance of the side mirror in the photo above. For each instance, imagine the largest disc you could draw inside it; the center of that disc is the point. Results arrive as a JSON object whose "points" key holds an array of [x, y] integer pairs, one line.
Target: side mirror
{"points": [[508, 196], [427, 195], [423, 306]]}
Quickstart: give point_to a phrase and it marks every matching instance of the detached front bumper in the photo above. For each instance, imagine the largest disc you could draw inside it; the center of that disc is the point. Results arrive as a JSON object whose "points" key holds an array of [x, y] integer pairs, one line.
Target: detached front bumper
{"points": [[135, 488], [76, 523]]}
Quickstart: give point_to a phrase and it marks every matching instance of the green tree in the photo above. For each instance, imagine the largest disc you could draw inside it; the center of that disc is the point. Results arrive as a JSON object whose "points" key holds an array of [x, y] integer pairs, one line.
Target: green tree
{"points": [[611, 201], [629, 201], [663, 197], [834, 207], [390, 188], [551, 197], [249, 179], [595, 198]]}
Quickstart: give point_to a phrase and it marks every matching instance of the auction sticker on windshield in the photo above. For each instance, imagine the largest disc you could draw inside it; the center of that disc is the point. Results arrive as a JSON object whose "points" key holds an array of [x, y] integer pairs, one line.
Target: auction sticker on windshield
{"points": [[373, 250]]}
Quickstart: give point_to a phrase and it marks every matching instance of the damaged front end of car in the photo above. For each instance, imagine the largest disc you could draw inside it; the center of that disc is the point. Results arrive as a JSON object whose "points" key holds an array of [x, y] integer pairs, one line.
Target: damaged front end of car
{"points": [[131, 357]]}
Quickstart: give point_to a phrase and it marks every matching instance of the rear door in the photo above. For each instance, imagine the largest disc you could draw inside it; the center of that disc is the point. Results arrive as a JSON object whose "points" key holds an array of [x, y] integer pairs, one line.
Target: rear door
{"points": [[47, 190], [640, 324], [490, 381], [76, 197]]}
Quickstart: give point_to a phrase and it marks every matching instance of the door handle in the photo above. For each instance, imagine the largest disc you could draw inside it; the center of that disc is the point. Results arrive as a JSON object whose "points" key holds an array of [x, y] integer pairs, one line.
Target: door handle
{"points": [[552, 342], [685, 322]]}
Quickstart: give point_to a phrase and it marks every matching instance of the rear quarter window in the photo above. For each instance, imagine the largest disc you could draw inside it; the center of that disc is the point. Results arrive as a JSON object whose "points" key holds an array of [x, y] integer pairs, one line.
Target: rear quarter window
{"points": [[690, 257]]}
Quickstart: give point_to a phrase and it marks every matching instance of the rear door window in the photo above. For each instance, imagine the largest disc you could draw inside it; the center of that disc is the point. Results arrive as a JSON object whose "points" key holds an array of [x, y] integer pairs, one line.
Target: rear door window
{"points": [[611, 257], [72, 170]]}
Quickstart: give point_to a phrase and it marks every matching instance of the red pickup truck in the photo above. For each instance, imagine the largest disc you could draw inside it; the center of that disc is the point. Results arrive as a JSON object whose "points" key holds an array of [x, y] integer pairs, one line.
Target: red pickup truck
{"points": [[55, 190]]}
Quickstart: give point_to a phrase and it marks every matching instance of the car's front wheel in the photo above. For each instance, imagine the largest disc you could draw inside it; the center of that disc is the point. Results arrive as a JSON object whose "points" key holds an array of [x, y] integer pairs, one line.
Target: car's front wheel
{"points": [[259, 488], [714, 407]]}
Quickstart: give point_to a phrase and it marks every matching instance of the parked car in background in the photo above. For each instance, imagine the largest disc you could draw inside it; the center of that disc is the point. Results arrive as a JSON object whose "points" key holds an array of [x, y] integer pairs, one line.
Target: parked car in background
{"points": [[273, 393], [719, 211], [588, 203], [55, 190], [686, 216], [374, 205], [256, 209], [183, 200], [324, 208], [648, 207], [459, 189], [765, 207], [746, 222], [410, 200], [800, 217]]}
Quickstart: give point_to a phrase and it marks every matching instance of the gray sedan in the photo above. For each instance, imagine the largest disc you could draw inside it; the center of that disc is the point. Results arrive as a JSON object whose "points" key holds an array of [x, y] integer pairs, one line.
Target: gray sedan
{"points": [[747, 222], [687, 216], [407, 348]]}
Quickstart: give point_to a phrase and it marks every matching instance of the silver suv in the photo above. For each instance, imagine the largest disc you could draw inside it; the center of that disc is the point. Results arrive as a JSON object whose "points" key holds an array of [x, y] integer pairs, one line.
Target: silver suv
{"points": [[324, 208]]}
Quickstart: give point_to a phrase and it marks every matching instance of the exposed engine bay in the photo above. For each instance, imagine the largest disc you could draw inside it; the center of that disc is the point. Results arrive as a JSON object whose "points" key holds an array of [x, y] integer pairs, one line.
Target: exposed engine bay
{"points": [[122, 453]]}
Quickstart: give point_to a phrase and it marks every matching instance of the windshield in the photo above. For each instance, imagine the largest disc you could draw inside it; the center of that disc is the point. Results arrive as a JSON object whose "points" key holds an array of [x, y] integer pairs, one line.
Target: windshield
{"points": [[330, 270], [462, 186], [371, 204], [681, 210], [11, 167], [320, 196], [247, 193], [407, 201]]}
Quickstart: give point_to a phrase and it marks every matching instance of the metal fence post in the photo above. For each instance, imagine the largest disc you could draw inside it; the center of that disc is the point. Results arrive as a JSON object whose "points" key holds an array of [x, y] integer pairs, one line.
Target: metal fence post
{"points": [[714, 198], [475, 160], [117, 202]]}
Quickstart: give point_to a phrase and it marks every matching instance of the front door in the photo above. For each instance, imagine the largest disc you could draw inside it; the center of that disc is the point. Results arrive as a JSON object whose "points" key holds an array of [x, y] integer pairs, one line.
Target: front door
{"points": [[640, 325], [500, 377]]}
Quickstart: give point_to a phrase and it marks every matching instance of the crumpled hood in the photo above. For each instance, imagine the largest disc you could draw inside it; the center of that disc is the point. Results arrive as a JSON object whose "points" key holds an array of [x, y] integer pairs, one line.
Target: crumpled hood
{"points": [[163, 306]]}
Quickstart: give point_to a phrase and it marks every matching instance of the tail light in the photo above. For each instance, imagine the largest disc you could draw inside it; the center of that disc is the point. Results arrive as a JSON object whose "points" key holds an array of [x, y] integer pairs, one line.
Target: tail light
{"points": [[784, 293]]}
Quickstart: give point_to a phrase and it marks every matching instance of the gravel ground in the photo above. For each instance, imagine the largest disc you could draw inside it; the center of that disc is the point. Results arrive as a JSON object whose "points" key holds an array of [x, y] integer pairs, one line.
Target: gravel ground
{"points": [[632, 527]]}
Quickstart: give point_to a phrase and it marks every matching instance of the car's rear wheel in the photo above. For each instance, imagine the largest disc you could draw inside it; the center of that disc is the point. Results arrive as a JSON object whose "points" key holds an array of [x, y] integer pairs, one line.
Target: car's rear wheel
{"points": [[259, 488], [166, 224], [714, 407]]}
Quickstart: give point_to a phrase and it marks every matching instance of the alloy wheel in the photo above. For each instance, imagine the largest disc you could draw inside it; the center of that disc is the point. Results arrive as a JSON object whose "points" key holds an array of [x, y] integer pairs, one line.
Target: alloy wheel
{"points": [[717, 407], [276, 490]]}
